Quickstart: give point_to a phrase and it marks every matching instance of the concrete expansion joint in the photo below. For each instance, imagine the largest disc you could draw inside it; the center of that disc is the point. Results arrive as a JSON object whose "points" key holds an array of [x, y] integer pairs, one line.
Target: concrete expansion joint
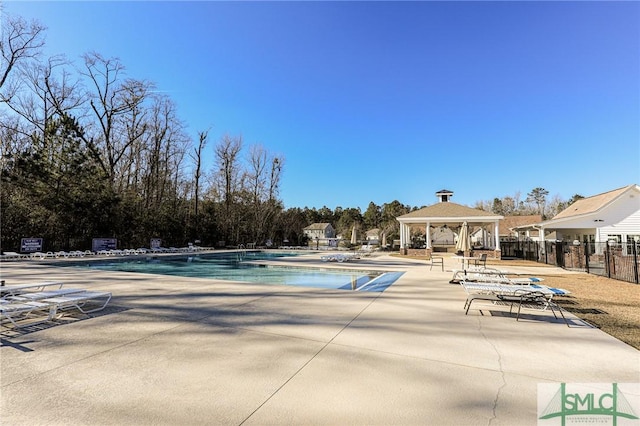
{"points": [[500, 369], [304, 365]]}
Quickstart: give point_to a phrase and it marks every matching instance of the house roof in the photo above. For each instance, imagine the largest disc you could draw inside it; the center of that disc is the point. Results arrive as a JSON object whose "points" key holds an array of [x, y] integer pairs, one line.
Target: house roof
{"points": [[449, 210], [583, 208], [510, 222], [373, 232], [592, 204], [317, 226]]}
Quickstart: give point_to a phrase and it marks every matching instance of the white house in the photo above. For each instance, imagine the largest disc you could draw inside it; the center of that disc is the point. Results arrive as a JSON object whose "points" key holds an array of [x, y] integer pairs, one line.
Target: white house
{"points": [[373, 236], [320, 231], [612, 216]]}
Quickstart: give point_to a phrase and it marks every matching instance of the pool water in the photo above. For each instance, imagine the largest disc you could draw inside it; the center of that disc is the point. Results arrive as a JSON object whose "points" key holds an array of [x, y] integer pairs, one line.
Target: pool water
{"points": [[233, 267]]}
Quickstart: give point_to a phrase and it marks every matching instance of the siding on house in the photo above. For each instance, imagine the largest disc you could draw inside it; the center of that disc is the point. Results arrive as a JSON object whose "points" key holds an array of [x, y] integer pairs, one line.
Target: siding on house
{"points": [[628, 226]]}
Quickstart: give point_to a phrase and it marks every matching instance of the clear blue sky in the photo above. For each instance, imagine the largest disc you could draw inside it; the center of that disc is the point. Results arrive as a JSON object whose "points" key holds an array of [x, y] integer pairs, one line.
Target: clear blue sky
{"points": [[383, 101]]}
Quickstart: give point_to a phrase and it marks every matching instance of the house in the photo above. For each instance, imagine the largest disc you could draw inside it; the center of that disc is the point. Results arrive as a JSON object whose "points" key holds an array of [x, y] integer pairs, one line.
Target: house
{"points": [[612, 216], [320, 231], [373, 236]]}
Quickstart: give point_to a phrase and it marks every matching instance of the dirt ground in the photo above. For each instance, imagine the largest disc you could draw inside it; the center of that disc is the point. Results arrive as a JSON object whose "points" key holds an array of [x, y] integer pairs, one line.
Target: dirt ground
{"points": [[611, 305]]}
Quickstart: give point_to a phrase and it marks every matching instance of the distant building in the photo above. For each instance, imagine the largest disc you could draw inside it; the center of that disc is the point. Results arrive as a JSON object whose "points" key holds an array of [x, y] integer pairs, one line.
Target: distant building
{"points": [[320, 231], [508, 227], [373, 236]]}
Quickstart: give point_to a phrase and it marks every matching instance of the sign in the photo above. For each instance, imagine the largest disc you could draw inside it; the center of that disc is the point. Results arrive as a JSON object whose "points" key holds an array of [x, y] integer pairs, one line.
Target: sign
{"points": [[588, 403], [98, 244], [30, 245], [155, 243]]}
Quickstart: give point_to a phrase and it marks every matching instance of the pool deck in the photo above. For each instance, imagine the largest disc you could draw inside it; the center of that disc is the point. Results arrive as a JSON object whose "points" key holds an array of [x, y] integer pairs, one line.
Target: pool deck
{"points": [[188, 351]]}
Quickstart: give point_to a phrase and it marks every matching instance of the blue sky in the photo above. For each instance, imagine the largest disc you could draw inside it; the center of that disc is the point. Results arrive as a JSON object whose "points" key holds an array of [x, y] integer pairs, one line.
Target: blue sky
{"points": [[383, 101]]}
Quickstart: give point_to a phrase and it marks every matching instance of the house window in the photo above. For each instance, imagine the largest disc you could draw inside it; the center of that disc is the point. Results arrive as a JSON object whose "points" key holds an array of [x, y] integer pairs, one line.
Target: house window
{"points": [[614, 239], [631, 240]]}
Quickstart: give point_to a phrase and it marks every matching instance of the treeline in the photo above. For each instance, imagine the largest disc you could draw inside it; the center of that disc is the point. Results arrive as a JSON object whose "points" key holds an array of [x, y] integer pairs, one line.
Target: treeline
{"points": [[89, 151], [535, 203]]}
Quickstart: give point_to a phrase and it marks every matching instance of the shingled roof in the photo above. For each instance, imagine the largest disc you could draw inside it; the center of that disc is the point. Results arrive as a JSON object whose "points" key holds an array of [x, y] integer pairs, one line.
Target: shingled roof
{"points": [[450, 211], [317, 226], [510, 222], [591, 204]]}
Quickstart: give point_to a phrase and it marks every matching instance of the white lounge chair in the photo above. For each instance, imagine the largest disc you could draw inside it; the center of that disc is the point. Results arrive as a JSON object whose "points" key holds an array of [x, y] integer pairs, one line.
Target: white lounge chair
{"points": [[524, 298], [40, 295], [21, 314], [80, 301], [10, 255], [338, 257], [14, 290]]}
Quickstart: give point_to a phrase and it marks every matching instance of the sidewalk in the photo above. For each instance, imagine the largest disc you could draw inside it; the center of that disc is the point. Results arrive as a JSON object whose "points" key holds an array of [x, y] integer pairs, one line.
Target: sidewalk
{"points": [[173, 350]]}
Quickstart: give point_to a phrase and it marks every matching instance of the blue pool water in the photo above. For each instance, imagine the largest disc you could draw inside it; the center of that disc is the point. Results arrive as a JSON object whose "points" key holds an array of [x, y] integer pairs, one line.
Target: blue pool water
{"points": [[234, 267]]}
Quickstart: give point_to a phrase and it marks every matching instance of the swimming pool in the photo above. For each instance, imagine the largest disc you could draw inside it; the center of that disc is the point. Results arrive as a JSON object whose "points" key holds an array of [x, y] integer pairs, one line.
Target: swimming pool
{"points": [[234, 267]]}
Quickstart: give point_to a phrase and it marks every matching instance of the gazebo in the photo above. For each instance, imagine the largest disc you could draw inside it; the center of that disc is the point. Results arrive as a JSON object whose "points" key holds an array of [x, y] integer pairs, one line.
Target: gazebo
{"points": [[446, 214]]}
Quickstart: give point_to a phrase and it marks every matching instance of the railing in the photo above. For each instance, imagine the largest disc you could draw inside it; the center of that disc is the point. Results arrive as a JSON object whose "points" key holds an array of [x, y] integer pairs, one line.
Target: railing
{"points": [[619, 261], [241, 253]]}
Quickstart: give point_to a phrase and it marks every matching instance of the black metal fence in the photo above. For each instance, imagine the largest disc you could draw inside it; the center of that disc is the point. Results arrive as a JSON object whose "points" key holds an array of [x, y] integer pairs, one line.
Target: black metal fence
{"points": [[613, 260]]}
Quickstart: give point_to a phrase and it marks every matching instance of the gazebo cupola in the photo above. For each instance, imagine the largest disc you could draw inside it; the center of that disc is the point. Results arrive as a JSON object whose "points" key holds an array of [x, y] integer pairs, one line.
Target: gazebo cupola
{"points": [[444, 195]]}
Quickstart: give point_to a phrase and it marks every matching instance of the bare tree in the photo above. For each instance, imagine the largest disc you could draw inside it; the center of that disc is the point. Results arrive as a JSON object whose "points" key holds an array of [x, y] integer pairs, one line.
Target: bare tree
{"points": [[19, 41], [115, 103], [47, 91], [197, 158], [227, 157]]}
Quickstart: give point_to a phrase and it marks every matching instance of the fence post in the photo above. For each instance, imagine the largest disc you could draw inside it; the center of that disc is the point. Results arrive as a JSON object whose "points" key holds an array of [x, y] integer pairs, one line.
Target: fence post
{"points": [[607, 256], [546, 250], [586, 256], [635, 261]]}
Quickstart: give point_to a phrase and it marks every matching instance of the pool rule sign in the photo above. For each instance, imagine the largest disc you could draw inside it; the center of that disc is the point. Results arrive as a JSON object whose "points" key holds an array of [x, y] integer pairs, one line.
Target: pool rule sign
{"points": [[98, 244], [30, 245]]}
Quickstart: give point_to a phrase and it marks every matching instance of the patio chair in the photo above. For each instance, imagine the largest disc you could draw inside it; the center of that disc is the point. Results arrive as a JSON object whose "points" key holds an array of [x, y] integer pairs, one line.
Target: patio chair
{"points": [[436, 260], [482, 260]]}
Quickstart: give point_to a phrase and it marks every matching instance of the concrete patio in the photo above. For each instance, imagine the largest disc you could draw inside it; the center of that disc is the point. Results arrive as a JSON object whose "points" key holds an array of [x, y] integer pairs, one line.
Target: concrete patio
{"points": [[171, 350]]}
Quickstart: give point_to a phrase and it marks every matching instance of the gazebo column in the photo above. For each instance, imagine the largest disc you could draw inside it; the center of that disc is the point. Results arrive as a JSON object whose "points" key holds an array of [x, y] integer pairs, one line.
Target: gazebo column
{"points": [[485, 236], [428, 249], [405, 236], [496, 232]]}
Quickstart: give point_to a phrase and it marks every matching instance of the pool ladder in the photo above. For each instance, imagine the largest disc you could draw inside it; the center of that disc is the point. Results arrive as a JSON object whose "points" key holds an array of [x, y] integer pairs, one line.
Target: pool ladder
{"points": [[241, 253]]}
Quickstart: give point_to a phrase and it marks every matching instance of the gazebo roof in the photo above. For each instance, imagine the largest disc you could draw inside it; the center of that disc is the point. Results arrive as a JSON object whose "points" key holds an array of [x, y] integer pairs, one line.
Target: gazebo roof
{"points": [[448, 212]]}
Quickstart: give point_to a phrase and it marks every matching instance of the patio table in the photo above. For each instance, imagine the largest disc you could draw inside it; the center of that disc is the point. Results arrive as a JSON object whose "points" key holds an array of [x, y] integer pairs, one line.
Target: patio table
{"points": [[467, 258]]}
